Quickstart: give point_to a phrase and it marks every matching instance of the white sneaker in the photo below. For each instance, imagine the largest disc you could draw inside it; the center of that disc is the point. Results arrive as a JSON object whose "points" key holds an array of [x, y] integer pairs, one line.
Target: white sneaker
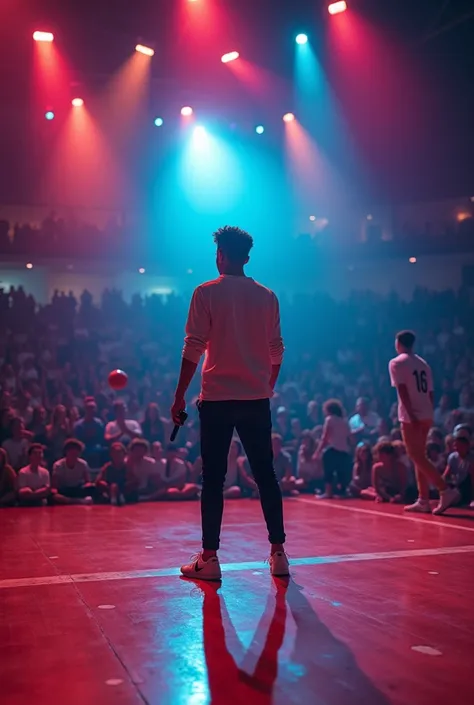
{"points": [[421, 506], [202, 570], [87, 501], [279, 564], [447, 498]]}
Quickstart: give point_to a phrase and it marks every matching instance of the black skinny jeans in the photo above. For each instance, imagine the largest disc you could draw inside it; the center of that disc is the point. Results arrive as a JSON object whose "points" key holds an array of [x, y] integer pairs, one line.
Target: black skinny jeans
{"points": [[252, 420]]}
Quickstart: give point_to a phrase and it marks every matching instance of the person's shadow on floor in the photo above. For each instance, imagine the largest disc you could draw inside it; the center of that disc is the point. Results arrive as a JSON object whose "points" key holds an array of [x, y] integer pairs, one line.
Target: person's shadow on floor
{"points": [[321, 669]]}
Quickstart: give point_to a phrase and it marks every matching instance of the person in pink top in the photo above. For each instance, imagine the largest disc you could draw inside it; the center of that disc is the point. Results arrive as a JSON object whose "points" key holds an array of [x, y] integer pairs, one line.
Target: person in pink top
{"points": [[235, 323]]}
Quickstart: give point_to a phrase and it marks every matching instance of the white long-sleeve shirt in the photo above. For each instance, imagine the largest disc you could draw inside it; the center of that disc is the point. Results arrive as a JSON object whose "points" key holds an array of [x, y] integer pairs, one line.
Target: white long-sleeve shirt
{"points": [[236, 322]]}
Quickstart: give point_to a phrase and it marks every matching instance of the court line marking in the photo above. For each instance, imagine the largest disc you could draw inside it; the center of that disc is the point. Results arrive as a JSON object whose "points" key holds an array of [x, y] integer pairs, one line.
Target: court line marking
{"points": [[229, 567], [403, 517]]}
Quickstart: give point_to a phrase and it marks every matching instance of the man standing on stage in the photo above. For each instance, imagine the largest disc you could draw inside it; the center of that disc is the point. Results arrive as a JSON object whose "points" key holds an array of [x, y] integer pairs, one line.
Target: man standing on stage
{"points": [[413, 379], [236, 322]]}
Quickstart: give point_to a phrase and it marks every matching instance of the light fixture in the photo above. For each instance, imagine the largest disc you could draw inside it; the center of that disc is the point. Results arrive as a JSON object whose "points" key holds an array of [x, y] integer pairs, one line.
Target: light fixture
{"points": [[141, 270], [231, 56], [288, 117], [260, 129], [186, 111], [49, 115], [43, 36], [77, 102], [148, 51], [302, 39], [335, 8], [312, 218], [29, 265], [158, 122], [370, 217], [412, 260]]}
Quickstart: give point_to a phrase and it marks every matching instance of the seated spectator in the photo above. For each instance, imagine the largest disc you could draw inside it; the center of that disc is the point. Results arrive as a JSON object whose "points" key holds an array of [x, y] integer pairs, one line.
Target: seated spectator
{"points": [[157, 451], [122, 430], [282, 466], [434, 451], [7, 482], [57, 432], [173, 477], [33, 481], [193, 442], [37, 425], [90, 431], [364, 424], [154, 427], [144, 469], [442, 412], [309, 470], [388, 477], [459, 471], [70, 477], [362, 471], [282, 424], [334, 447], [111, 483], [17, 445]]}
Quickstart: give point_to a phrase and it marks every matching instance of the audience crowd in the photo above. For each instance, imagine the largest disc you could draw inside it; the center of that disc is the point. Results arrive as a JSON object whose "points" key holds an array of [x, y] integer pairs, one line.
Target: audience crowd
{"points": [[67, 438]]}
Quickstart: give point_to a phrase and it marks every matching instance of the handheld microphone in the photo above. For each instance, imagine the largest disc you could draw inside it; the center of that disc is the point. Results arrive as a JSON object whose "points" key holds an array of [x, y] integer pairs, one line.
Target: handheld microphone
{"points": [[182, 417]]}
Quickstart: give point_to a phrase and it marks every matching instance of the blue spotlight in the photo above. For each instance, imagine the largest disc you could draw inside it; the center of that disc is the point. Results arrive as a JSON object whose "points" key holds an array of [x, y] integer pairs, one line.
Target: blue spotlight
{"points": [[158, 122], [49, 115], [260, 129], [302, 39], [199, 132]]}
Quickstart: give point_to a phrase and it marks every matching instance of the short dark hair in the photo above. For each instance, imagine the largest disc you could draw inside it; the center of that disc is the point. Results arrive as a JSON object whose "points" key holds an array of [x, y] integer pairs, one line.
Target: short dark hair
{"points": [[73, 444], [385, 447], [33, 447], [234, 243], [139, 443], [333, 407], [406, 338]]}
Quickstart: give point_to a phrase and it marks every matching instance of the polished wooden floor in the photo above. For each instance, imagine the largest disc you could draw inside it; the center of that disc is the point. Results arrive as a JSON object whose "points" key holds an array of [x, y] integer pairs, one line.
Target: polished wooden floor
{"points": [[379, 610]]}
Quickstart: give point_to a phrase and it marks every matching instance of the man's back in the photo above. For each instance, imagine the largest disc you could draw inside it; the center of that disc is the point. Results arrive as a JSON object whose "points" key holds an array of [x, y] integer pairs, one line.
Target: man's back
{"points": [[415, 373], [236, 322]]}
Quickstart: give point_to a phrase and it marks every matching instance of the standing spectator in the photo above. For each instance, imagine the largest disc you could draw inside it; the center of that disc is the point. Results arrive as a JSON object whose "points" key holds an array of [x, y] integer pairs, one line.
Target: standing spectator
{"points": [[335, 444], [122, 430], [34, 486], [90, 431], [7, 482], [17, 445], [71, 476], [365, 423]]}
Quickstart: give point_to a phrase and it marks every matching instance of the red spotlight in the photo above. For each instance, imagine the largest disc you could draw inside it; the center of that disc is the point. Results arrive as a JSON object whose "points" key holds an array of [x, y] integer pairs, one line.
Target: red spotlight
{"points": [[186, 111], [336, 7], [231, 56], [288, 117], [148, 51], [43, 36], [77, 102]]}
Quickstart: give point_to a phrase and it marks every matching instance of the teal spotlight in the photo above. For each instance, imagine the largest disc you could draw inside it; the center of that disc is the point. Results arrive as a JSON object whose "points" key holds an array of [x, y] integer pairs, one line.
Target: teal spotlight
{"points": [[302, 39], [260, 129], [158, 122], [49, 115]]}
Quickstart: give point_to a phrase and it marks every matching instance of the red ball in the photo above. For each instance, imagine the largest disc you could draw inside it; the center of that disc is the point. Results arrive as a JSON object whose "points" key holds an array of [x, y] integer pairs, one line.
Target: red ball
{"points": [[118, 379]]}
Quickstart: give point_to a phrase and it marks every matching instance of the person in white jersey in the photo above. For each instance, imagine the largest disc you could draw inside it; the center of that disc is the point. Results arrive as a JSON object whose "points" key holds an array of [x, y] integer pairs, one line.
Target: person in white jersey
{"points": [[413, 380], [235, 322]]}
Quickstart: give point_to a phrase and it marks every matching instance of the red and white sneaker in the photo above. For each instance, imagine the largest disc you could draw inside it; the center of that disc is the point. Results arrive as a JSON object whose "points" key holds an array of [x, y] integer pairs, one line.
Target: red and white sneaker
{"points": [[202, 570], [421, 506], [279, 565]]}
